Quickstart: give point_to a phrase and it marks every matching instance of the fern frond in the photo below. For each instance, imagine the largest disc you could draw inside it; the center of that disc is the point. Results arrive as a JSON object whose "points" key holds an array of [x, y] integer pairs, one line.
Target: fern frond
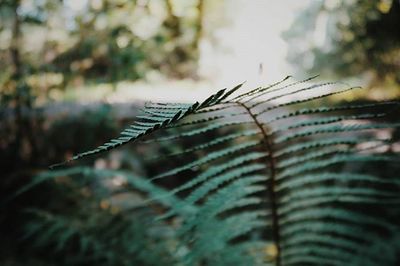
{"points": [[210, 157], [159, 119], [212, 143], [297, 183], [217, 169]]}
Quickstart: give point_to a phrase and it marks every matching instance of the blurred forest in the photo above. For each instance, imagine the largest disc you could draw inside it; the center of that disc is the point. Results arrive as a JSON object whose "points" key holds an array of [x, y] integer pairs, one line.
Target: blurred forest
{"points": [[50, 49], [349, 38], [62, 44]]}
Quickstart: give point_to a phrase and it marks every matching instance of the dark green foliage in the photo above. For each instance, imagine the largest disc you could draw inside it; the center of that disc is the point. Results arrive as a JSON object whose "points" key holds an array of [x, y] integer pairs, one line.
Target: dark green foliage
{"points": [[305, 186], [101, 231]]}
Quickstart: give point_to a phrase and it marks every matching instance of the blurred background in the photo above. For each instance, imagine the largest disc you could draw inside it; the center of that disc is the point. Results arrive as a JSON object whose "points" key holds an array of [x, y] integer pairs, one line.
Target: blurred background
{"points": [[74, 72]]}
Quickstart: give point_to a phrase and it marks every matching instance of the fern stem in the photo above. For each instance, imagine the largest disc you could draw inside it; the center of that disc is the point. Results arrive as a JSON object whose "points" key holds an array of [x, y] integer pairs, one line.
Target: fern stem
{"points": [[271, 182]]}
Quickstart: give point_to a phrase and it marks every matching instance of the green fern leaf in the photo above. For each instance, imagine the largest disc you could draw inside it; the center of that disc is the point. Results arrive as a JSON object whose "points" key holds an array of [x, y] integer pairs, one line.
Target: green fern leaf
{"points": [[277, 186]]}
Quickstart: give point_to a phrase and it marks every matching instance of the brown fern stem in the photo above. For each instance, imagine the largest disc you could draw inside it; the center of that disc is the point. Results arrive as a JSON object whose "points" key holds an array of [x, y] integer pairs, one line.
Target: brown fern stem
{"points": [[271, 182]]}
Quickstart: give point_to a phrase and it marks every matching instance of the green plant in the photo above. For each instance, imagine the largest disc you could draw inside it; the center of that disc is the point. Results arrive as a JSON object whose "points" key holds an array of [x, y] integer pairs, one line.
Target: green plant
{"points": [[279, 186], [87, 225]]}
